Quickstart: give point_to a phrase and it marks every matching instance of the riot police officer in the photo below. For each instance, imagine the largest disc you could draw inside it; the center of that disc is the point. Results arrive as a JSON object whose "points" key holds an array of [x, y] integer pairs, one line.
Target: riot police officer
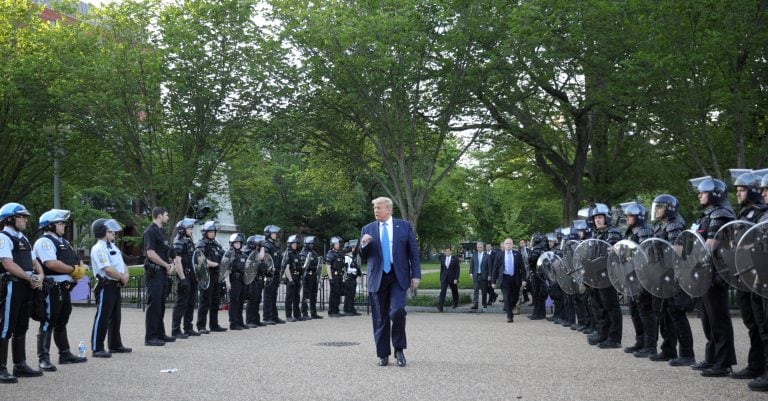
{"points": [[753, 208], [186, 288], [553, 288], [252, 316], [537, 279], [761, 383], [62, 268], [21, 276], [585, 319], [210, 298], [292, 272], [335, 266], [234, 278], [671, 313], [716, 319], [272, 246], [640, 305], [352, 272], [606, 300], [311, 263], [157, 272]]}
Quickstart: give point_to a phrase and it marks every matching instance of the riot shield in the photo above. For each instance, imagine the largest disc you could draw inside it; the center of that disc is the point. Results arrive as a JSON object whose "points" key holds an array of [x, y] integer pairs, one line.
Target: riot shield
{"points": [[568, 283], [226, 262], [545, 264], [268, 269], [724, 255], [200, 263], [694, 265], [252, 267], [591, 260], [570, 267], [657, 275], [752, 259], [623, 259]]}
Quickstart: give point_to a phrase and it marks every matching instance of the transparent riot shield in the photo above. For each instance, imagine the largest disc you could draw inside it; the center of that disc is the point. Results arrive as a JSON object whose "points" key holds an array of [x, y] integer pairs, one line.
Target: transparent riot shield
{"points": [[694, 265], [623, 258], [657, 276], [724, 254], [591, 262], [200, 263], [752, 259]]}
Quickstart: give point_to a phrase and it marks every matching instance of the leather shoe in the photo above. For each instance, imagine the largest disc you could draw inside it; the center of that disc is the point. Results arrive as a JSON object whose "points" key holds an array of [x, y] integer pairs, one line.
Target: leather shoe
{"points": [[473, 307], [23, 370], [68, 357], [644, 353], [180, 336], [269, 322], [105, 354], [46, 365], [400, 358], [439, 308], [121, 350], [632, 349], [5, 377], [155, 342], [316, 316], [334, 315], [681, 361], [701, 365], [759, 384], [218, 329], [281, 321], [384, 361], [252, 325], [234, 327], [716, 372], [662, 357], [192, 333], [203, 331], [745, 373], [169, 339], [537, 317], [607, 344]]}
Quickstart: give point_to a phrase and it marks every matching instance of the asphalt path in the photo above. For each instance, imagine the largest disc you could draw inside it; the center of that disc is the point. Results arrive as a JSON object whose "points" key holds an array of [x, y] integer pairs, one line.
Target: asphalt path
{"points": [[451, 356]]}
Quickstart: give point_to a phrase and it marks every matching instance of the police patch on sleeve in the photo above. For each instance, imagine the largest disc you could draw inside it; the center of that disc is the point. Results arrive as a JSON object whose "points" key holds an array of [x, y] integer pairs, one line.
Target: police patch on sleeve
{"points": [[47, 245], [2, 243], [102, 257]]}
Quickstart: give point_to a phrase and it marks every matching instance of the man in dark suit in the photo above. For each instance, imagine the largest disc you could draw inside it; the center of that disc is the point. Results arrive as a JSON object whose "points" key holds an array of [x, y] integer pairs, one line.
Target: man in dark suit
{"points": [[491, 254], [392, 255], [509, 270], [480, 272], [449, 277]]}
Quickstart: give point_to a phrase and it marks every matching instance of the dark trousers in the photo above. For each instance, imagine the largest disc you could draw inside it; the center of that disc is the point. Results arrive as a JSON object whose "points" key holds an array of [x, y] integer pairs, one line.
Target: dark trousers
{"points": [[388, 315], [185, 305], [350, 292], [156, 295], [337, 288], [539, 295], [480, 289], [752, 315], [491, 293], [674, 326], [644, 320], [106, 323], [58, 309], [236, 299], [569, 312], [254, 299], [16, 312], [270, 299], [293, 298], [309, 298], [611, 326], [444, 284], [716, 322], [210, 299], [581, 307], [510, 287]]}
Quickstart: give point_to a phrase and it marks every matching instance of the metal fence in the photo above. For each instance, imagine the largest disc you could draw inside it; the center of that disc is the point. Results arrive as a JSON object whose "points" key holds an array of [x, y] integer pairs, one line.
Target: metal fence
{"points": [[135, 294]]}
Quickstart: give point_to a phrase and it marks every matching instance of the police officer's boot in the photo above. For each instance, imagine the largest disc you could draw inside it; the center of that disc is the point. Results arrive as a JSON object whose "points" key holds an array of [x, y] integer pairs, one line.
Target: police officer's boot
{"points": [[5, 377], [62, 342], [43, 349], [20, 367]]}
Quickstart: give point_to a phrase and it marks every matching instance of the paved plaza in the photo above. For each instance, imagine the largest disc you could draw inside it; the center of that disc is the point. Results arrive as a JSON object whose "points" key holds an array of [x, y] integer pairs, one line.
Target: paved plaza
{"points": [[451, 356]]}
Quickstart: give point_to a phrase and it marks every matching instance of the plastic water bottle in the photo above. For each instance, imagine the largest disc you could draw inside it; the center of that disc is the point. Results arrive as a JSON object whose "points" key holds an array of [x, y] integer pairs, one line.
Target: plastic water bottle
{"points": [[81, 349]]}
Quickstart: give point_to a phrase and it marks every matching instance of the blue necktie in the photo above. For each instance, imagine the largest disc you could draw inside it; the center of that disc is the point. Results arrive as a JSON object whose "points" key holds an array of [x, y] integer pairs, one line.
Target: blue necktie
{"points": [[385, 248]]}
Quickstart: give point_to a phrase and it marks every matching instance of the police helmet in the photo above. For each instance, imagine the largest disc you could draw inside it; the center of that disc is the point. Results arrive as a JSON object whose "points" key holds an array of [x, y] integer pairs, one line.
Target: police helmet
{"points": [[10, 211], [668, 202], [271, 229], [712, 186], [579, 225], [100, 227], [254, 241], [236, 237], [309, 240], [635, 209], [51, 217], [537, 239], [598, 209], [293, 239], [210, 225], [336, 240], [749, 180], [184, 224]]}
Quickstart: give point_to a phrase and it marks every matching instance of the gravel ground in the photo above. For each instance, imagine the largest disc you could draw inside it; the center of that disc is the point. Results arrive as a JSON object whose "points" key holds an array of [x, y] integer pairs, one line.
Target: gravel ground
{"points": [[451, 356]]}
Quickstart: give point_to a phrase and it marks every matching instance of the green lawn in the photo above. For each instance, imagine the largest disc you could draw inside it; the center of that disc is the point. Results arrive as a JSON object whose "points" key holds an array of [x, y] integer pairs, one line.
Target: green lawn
{"points": [[432, 280]]}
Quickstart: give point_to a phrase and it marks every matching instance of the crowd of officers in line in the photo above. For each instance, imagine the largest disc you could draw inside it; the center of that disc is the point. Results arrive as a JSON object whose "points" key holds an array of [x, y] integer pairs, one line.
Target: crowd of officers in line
{"points": [[36, 281]]}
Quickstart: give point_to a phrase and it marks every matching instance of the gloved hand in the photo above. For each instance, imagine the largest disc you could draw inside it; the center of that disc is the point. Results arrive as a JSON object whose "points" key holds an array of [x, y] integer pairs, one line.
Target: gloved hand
{"points": [[78, 272], [184, 283]]}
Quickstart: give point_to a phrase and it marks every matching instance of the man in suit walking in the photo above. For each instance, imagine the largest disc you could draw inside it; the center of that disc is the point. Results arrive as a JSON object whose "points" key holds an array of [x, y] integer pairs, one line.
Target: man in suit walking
{"points": [[480, 272], [509, 270], [392, 255], [449, 277]]}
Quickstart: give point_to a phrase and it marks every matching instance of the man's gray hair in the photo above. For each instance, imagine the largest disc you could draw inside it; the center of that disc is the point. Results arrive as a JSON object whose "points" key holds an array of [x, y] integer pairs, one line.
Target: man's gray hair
{"points": [[382, 199]]}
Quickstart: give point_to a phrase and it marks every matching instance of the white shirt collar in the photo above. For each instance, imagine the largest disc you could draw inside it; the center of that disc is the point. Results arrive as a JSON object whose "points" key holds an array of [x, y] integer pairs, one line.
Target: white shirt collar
{"points": [[388, 222]]}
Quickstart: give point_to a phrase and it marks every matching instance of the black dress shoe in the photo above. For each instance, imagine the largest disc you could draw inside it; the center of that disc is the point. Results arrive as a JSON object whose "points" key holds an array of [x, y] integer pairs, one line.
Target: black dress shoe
{"points": [[609, 344], [24, 370], [716, 372], [473, 307], [46, 365], [121, 350], [252, 325], [701, 365], [316, 316], [759, 384], [218, 329], [537, 318], [155, 342], [439, 308], [106, 354], [644, 353], [681, 361], [5, 377], [261, 324], [745, 373], [400, 358], [192, 333], [68, 357], [281, 321], [235, 327], [269, 322], [334, 315], [384, 361], [181, 336], [633, 348], [169, 339], [662, 357]]}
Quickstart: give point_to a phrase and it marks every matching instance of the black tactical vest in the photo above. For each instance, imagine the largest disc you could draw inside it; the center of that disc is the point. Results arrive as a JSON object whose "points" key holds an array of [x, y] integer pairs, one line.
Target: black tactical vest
{"points": [[64, 253], [22, 252]]}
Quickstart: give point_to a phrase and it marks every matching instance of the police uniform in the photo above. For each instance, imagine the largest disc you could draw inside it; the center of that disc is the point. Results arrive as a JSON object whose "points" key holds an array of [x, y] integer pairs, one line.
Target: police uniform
{"points": [[606, 300], [58, 302], [210, 298], [237, 289], [255, 289], [18, 300], [352, 271], [335, 261], [158, 284], [186, 289], [537, 281], [641, 306], [272, 283], [292, 263], [309, 283], [107, 320]]}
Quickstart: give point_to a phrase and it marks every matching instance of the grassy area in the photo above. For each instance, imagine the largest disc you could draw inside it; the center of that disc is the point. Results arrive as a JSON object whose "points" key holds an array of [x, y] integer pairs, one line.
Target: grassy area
{"points": [[431, 300], [431, 280]]}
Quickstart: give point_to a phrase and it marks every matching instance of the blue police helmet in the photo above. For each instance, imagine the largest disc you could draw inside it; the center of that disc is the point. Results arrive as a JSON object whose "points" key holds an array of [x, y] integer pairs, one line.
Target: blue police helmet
{"points": [[635, 209], [601, 208], [53, 216], [12, 209]]}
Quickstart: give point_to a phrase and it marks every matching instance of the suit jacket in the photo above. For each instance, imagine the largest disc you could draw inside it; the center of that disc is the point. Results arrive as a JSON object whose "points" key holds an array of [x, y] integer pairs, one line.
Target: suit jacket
{"points": [[498, 267], [485, 266], [449, 273], [405, 254]]}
